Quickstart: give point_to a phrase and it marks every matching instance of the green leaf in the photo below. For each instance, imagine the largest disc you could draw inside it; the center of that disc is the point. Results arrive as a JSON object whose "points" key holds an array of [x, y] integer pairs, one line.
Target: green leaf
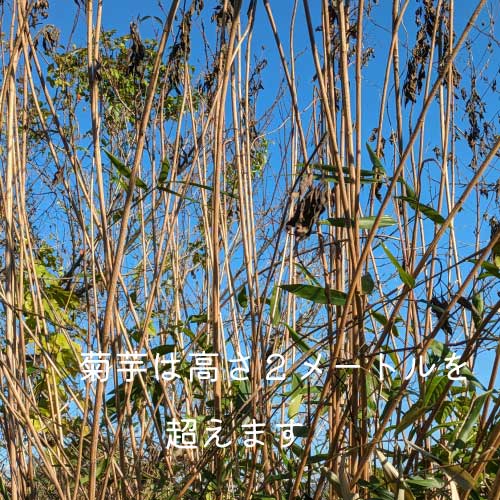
{"points": [[337, 222], [124, 170], [297, 339], [335, 170], [460, 476], [405, 276], [165, 169], [478, 308], [377, 165], [409, 190], [294, 406], [316, 294], [380, 318], [368, 222], [243, 393], [175, 193], [197, 318], [274, 305], [367, 284], [434, 389], [209, 188], [491, 269], [140, 183], [307, 275], [242, 298], [425, 482], [472, 416], [363, 222], [478, 303], [415, 412], [428, 211]]}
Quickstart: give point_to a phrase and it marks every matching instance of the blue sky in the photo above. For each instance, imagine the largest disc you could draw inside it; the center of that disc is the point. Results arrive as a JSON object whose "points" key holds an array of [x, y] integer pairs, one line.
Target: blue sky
{"points": [[118, 15]]}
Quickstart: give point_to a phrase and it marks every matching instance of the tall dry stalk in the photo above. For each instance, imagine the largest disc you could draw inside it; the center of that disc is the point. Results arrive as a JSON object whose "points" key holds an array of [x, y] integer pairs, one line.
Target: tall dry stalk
{"points": [[185, 192]]}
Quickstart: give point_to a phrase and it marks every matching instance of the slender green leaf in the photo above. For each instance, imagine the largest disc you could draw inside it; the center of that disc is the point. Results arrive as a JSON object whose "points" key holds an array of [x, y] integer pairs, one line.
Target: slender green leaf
{"points": [[364, 222], [316, 294], [165, 169], [274, 305], [409, 190], [415, 412], [297, 339], [472, 417], [307, 275], [368, 222], [377, 165], [460, 476], [405, 276], [428, 211], [124, 170], [425, 482], [367, 284]]}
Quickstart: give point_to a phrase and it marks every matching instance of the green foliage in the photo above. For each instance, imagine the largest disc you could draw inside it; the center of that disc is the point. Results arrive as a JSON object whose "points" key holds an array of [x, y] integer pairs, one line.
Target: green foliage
{"points": [[316, 294]]}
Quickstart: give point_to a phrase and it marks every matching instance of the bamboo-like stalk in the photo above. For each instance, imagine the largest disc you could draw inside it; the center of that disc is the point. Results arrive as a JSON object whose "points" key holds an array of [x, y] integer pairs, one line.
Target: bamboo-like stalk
{"points": [[179, 242]]}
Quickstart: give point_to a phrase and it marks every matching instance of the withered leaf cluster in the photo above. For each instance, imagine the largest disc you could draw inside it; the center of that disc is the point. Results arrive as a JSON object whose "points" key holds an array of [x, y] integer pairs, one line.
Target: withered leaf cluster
{"points": [[307, 212], [136, 52], [438, 308], [426, 17]]}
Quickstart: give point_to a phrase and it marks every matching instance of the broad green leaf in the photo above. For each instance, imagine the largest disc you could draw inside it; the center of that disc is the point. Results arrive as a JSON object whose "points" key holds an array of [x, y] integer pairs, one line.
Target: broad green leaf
{"points": [[405, 276], [367, 284], [197, 318], [428, 211], [478, 303], [294, 405], [242, 298], [243, 393], [460, 476], [496, 260], [316, 294], [368, 222], [363, 222], [491, 269], [434, 389], [425, 482], [163, 349], [477, 312], [337, 222]]}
